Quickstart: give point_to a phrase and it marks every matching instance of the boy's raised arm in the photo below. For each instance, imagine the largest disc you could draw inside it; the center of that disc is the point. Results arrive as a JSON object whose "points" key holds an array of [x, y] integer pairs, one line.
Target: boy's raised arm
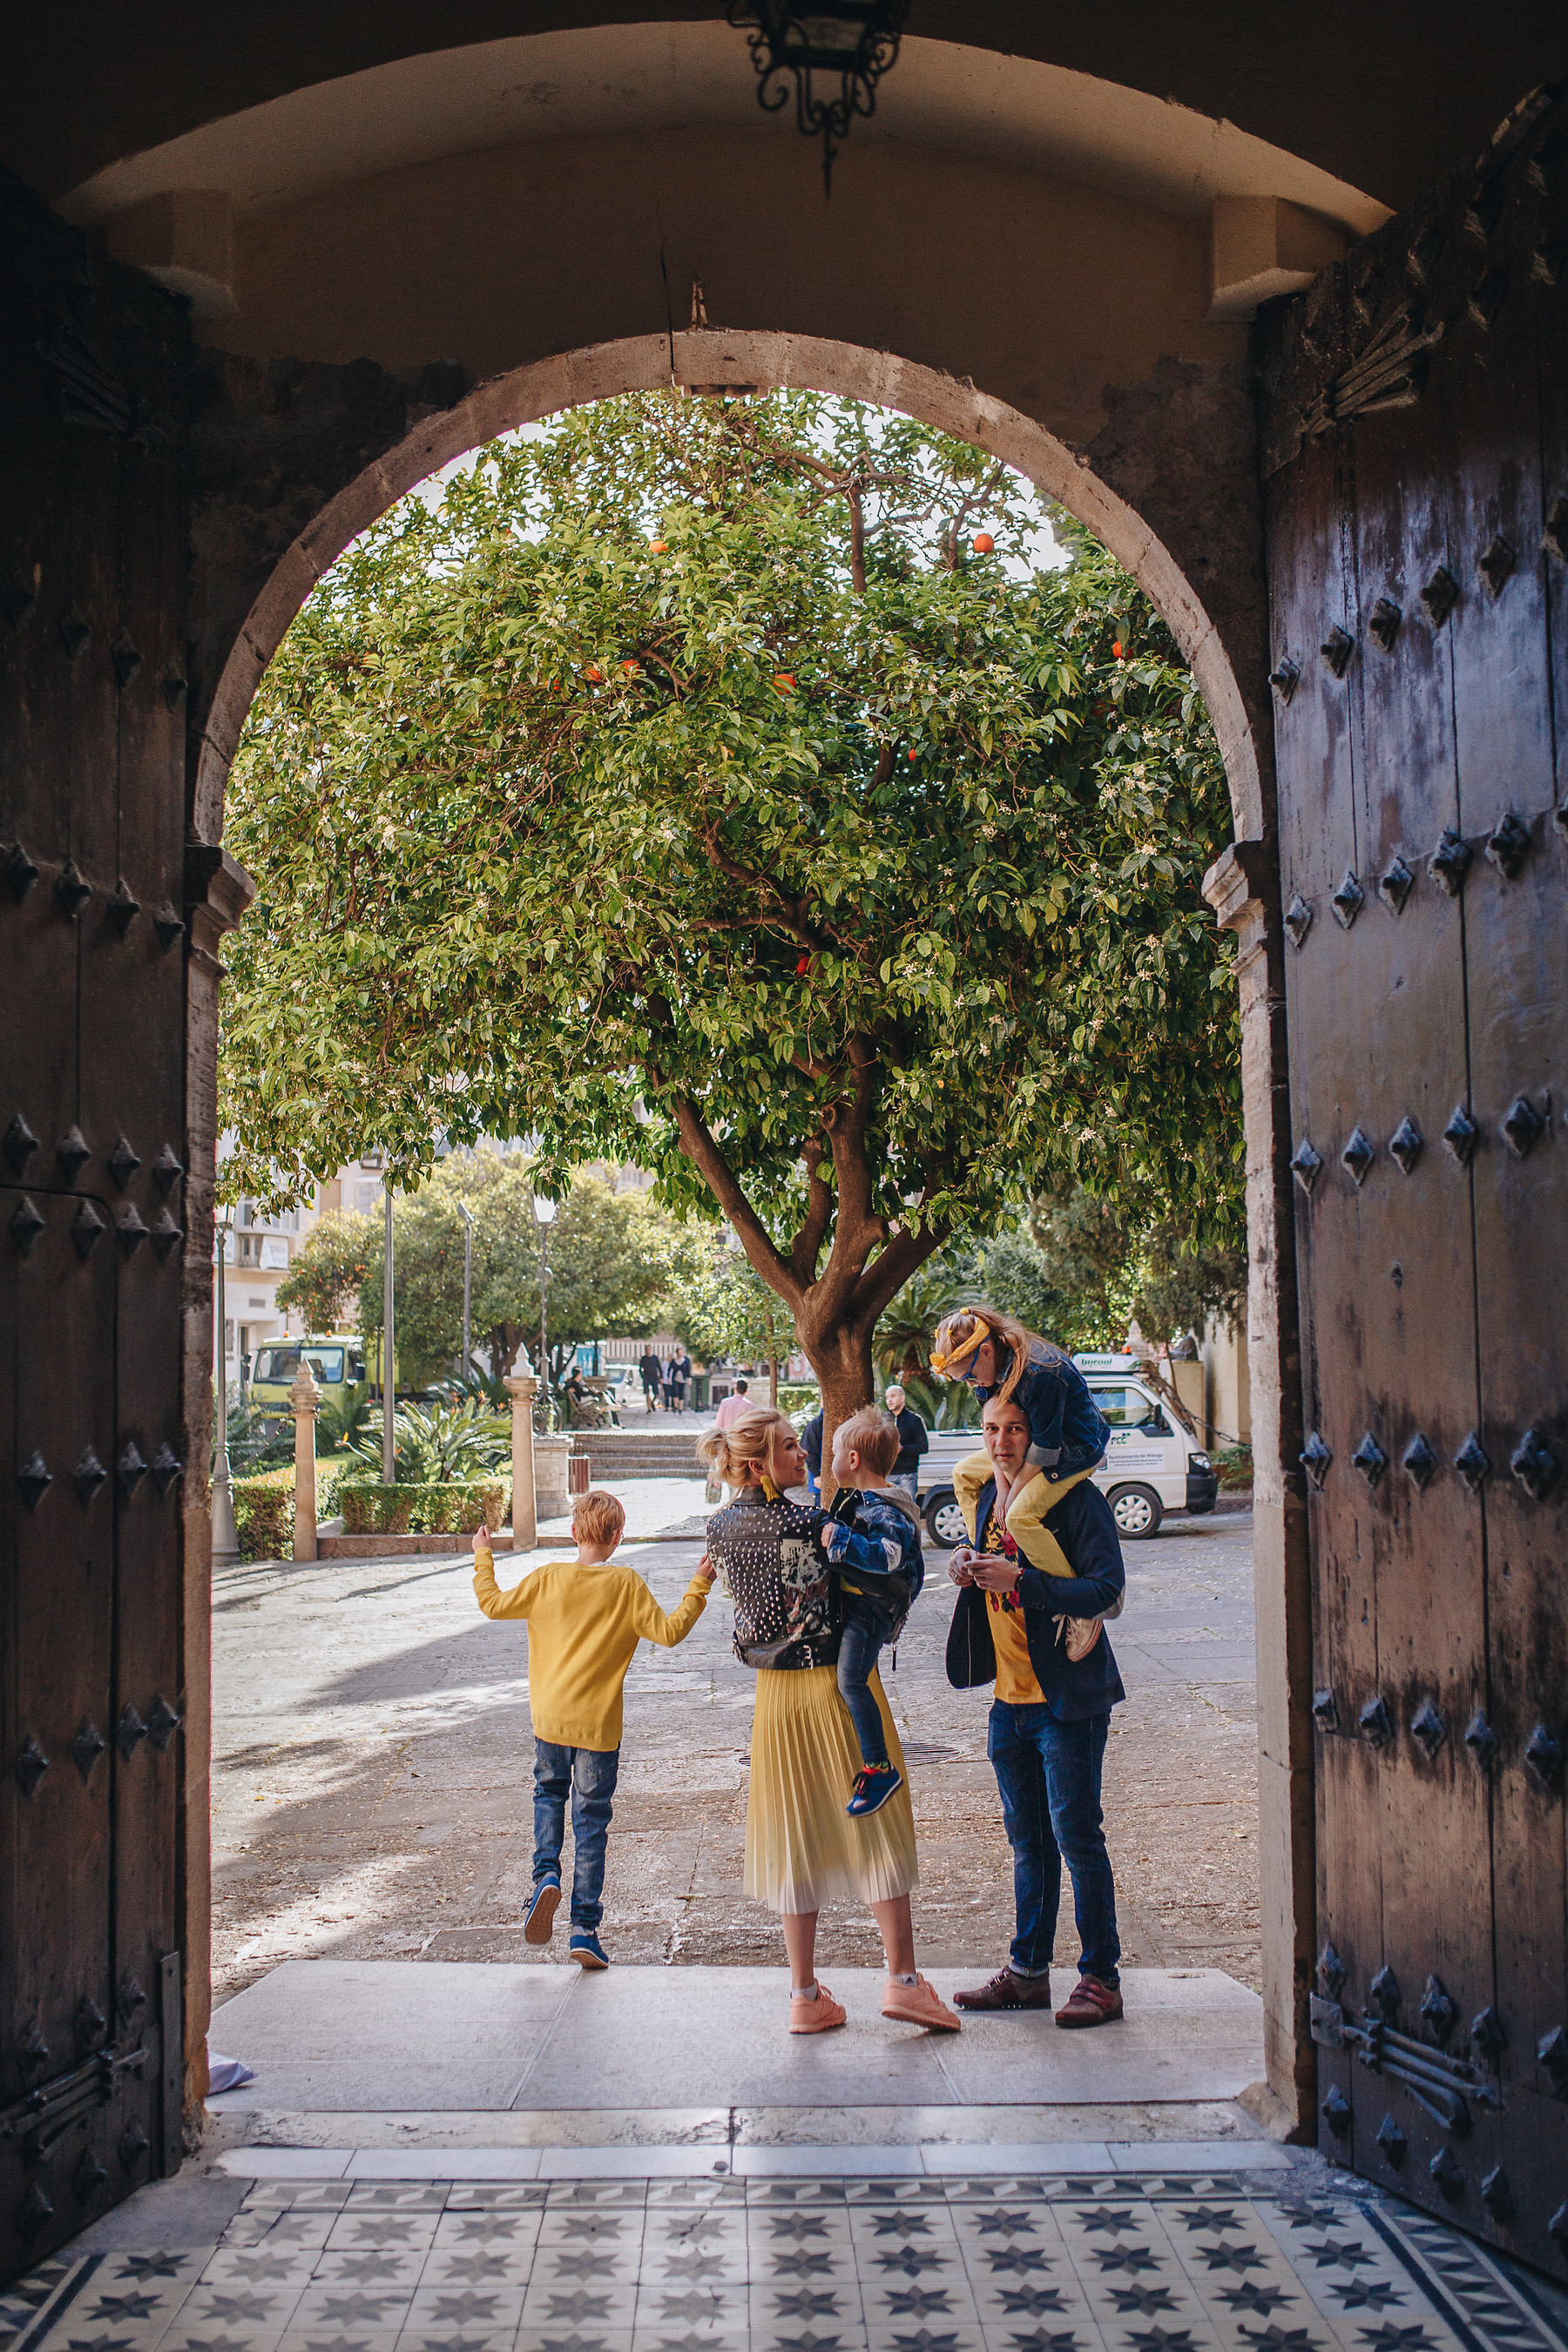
{"points": [[651, 1622], [488, 1594]]}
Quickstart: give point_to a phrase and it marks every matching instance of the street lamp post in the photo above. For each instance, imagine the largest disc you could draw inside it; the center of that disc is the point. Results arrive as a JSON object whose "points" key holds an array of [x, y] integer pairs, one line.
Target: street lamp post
{"points": [[467, 1214], [544, 1216], [225, 1534], [388, 1374]]}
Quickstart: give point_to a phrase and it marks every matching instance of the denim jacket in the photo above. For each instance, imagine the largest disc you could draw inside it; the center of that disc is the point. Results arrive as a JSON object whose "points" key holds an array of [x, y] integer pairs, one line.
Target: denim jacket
{"points": [[1067, 1432], [874, 1537]]}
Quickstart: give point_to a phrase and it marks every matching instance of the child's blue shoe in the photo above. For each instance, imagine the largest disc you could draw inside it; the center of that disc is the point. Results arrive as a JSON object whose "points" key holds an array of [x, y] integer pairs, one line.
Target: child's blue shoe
{"points": [[874, 1784], [539, 1919], [586, 1949]]}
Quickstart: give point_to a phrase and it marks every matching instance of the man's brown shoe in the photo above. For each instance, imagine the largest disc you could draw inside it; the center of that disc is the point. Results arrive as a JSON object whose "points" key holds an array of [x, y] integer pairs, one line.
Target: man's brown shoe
{"points": [[1090, 2003], [1005, 1991]]}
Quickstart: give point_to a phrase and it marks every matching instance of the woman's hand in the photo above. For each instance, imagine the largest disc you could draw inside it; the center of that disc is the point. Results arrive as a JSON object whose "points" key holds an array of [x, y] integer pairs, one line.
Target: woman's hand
{"points": [[706, 1570]]}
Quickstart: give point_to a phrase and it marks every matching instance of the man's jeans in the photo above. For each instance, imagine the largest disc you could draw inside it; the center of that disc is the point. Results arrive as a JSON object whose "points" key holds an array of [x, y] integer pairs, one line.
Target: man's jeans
{"points": [[588, 1776], [865, 1631], [1048, 1773], [910, 1480]]}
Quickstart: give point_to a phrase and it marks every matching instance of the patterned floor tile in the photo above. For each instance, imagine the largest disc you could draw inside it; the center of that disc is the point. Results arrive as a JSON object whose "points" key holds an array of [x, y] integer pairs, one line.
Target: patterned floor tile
{"points": [[1154, 2262]]}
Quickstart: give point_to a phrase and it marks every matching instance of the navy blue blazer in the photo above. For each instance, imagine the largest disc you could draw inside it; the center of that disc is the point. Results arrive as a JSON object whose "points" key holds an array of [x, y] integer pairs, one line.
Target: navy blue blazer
{"points": [[1082, 1525]]}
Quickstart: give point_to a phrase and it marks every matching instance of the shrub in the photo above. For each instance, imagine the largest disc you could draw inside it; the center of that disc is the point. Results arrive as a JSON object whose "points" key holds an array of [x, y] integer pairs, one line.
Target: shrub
{"points": [[264, 1514], [454, 1506], [795, 1396], [1234, 1464]]}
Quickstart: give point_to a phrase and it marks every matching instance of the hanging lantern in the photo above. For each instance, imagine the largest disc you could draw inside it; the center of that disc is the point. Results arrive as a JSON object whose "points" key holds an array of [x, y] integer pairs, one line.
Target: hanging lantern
{"points": [[838, 54]]}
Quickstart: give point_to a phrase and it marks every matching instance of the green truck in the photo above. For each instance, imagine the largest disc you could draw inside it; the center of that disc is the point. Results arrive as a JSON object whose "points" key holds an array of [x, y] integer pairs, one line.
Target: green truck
{"points": [[337, 1365]]}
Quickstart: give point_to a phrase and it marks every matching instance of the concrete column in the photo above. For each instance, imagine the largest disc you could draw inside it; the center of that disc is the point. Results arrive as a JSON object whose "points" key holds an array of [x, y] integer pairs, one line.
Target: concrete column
{"points": [[305, 1397], [522, 1388]]}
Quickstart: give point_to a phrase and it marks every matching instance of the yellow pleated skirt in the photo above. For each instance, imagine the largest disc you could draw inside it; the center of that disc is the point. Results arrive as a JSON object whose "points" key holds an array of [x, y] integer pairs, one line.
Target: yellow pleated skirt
{"points": [[803, 1850]]}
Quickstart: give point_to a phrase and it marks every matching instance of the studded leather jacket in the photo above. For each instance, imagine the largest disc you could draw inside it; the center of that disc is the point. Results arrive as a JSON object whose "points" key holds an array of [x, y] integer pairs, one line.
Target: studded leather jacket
{"points": [[771, 1560]]}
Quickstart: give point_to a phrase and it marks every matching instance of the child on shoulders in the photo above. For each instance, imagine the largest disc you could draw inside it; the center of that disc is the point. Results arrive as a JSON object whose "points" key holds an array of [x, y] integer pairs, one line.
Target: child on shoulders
{"points": [[872, 1539], [997, 1356]]}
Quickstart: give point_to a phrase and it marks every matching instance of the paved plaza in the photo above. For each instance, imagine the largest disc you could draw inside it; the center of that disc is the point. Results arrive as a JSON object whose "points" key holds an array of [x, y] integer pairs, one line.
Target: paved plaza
{"points": [[373, 1753]]}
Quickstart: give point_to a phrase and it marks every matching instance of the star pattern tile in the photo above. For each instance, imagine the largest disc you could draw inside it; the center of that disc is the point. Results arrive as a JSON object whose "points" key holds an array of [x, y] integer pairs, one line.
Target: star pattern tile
{"points": [[1089, 2264]]}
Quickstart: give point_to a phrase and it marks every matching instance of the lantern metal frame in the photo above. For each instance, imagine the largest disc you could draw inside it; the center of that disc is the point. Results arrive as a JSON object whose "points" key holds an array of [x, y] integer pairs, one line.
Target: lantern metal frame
{"points": [[781, 35]]}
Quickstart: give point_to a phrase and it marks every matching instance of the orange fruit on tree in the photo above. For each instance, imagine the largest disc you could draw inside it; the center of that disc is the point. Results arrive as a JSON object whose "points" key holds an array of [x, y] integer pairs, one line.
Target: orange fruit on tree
{"points": [[657, 546], [784, 681], [594, 673], [984, 542]]}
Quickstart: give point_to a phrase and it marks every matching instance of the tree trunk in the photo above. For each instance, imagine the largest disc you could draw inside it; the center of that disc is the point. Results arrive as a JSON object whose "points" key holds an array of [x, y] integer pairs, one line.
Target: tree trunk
{"points": [[841, 1358]]}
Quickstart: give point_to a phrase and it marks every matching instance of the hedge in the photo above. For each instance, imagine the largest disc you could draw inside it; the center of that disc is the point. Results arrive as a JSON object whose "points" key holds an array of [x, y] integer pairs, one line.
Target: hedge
{"points": [[455, 1507], [264, 1514]]}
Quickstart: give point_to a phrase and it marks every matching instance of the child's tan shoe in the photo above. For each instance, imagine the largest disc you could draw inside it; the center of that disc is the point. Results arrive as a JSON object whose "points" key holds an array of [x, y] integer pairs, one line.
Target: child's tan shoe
{"points": [[919, 2004], [818, 2016]]}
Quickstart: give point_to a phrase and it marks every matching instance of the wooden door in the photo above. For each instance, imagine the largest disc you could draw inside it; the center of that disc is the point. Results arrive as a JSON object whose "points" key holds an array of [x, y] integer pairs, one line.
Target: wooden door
{"points": [[1416, 431], [92, 560]]}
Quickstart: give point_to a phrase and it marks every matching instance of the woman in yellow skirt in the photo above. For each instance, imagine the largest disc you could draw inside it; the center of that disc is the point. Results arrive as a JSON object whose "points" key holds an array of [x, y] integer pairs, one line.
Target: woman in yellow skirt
{"points": [[802, 1849]]}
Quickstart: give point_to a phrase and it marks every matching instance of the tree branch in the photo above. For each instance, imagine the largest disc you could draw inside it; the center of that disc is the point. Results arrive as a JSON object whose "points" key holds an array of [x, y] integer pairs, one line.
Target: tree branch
{"points": [[698, 1144], [791, 915], [883, 1279], [808, 1241]]}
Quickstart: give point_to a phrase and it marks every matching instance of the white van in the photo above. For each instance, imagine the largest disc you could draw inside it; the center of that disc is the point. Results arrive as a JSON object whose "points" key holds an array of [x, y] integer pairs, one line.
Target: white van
{"points": [[1153, 1462]]}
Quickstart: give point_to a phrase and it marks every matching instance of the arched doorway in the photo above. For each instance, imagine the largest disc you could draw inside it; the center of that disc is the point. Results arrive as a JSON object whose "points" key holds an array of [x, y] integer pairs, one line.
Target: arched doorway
{"points": [[712, 358], [1412, 458]]}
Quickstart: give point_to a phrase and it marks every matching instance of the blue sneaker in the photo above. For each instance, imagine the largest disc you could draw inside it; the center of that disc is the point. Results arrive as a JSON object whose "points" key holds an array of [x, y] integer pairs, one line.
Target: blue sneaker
{"points": [[874, 1784], [586, 1949], [539, 1919]]}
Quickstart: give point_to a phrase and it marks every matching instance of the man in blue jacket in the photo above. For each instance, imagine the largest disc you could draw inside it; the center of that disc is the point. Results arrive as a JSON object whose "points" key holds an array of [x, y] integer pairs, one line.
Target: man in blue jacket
{"points": [[1050, 1718]]}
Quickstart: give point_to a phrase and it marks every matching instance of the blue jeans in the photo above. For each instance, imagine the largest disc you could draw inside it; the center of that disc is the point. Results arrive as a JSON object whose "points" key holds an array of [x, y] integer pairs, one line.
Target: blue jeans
{"points": [[1048, 1774], [865, 1631], [588, 1776]]}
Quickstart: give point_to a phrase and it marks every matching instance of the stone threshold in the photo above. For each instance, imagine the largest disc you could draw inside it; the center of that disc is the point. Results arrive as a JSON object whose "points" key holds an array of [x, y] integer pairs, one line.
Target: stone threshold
{"points": [[946, 2160], [709, 2129]]}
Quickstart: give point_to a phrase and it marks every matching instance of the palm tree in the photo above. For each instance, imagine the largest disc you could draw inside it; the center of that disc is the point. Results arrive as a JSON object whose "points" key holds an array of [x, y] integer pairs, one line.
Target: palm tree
{"points": [[907, 1331]]}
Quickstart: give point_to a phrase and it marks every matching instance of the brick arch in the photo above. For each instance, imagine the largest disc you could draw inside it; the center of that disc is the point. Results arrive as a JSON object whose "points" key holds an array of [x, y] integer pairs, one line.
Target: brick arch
{"points": [[773, 360]]}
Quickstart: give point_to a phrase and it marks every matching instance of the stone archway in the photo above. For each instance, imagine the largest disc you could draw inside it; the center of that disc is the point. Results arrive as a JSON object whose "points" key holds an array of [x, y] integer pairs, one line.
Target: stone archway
{"points": [[1243, 888]]}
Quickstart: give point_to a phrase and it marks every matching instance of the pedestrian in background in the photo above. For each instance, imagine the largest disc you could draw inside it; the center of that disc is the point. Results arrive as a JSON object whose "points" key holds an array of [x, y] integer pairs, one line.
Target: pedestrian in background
{"points": [[914, 1440], [811, 1447], [652, 1376], [679, 1380], [730, 1408]]}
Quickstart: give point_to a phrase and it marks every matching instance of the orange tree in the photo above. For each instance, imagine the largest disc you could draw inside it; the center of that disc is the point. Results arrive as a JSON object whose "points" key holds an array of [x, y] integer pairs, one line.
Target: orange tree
{"points": [[717, 785]]}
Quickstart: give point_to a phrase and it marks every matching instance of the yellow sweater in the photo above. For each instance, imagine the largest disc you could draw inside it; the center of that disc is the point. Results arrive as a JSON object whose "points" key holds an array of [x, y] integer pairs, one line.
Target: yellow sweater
{"points": [[584, 1626]]}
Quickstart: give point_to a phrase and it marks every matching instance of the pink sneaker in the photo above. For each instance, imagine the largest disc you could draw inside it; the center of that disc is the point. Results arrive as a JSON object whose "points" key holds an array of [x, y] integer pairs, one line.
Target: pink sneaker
{"points": [[919, 2004], [818, 2016]]}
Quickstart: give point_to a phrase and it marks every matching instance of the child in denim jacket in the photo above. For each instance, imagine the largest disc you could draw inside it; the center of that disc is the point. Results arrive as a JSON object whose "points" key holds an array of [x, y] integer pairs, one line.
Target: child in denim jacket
{"points": [[872, 1539], [996, 1355]]}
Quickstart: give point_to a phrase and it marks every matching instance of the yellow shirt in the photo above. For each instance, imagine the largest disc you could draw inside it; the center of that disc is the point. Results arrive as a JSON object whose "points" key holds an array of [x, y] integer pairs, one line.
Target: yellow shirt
{"points": [[585, 1622], [1017, 1685]]}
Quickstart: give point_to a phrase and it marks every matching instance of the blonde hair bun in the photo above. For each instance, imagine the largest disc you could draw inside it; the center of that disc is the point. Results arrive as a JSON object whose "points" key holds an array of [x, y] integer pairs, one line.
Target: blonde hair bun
{"points": [[748, 1445]]}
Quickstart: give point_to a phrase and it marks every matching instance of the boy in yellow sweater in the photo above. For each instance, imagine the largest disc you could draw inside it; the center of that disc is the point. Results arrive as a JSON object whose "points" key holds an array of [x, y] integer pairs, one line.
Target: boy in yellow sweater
{"points": [[586, 1618]]}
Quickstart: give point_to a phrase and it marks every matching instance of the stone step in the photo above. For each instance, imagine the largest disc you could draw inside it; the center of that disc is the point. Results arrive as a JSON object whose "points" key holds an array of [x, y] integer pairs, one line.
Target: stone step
{"points": [[628, 1454]]}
